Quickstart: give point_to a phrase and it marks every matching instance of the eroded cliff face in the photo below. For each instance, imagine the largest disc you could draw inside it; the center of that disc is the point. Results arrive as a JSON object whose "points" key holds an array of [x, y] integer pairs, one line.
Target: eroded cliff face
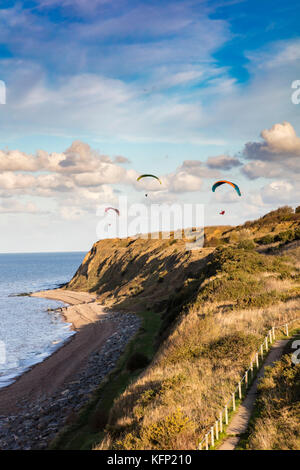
{"points": [[132, 273], [135, 273]]}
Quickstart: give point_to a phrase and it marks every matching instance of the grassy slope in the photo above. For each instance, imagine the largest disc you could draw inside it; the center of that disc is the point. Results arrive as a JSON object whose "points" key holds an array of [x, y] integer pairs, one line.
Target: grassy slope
{"points": [[215, 306], [276, 421]]}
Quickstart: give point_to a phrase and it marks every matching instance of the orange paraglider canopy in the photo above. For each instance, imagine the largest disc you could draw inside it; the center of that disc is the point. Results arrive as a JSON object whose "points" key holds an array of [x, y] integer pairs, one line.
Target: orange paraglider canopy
{"points": [[218, 183]]}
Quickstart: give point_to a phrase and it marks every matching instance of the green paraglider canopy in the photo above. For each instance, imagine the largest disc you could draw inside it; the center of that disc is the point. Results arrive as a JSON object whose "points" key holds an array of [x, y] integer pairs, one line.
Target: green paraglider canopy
{"points": [[148, 176]]}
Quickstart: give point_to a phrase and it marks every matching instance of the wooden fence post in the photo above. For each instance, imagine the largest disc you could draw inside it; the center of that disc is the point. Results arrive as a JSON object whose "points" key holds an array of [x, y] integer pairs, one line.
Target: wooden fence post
{"points": [[257, 361], [270, 335], [226, 415], [217, 430], [212, 436], [287, 329], [206, 441], [262, 351], [246, 379], [273, 332], [240, 390], [266, 341], [233, 401], [221, 421], [200, 446], [251, 368]]}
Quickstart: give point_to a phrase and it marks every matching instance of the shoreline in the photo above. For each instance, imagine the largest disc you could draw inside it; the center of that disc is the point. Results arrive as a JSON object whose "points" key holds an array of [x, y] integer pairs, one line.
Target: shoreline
{"points": [[56, 345], [40, 402], [84, 319]]}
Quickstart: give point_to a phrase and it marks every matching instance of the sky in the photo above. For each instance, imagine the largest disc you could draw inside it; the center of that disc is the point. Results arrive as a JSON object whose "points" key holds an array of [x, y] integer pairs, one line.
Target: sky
{"points": [[102, 91]]}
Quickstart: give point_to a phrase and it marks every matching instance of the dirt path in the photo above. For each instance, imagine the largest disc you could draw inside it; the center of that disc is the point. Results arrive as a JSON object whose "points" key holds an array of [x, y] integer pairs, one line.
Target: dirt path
{"points": [[240, 421]]}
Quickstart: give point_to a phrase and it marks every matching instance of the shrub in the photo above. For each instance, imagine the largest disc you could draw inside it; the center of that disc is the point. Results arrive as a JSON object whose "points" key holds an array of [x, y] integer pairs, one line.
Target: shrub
{"points": [[287, 236], [266, 240], [162, 434], [229, 289], [258, 301], [137, 361], [231, 346], [212, 242], [246, 244]]}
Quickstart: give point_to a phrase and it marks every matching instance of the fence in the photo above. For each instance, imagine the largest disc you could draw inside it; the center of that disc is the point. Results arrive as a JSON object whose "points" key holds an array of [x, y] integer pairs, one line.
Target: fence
{"points": [[213, 434]]}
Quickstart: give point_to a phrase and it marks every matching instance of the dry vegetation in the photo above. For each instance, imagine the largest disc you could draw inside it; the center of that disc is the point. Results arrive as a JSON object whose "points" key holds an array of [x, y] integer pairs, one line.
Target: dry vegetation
{"points": [[216, 304], [277, 424]]}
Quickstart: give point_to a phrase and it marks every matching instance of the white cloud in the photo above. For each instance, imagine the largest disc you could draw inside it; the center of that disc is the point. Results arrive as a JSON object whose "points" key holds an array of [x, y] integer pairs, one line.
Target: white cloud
{"points": [[11, 181], [10, 206], [222, 162], [277, 156], [281, 140], [280, 192]]}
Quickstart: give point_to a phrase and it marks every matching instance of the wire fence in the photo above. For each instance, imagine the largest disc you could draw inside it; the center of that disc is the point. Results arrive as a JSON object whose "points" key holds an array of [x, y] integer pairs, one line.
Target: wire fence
{"points": [[256, 362]]}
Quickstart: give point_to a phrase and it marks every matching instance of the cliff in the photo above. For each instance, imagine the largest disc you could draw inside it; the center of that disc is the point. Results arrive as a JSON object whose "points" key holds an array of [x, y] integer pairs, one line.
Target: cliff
{"points": [[203, 312]]}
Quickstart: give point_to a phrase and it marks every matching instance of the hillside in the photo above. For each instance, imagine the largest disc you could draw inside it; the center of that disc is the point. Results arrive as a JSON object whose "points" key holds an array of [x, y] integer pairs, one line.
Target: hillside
{"points": [[136, 273], [214, 306]]}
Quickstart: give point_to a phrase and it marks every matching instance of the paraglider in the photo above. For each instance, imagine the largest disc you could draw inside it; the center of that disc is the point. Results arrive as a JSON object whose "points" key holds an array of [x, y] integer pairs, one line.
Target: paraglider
{"points": [[113, 209], [222, 212], [219, 183], [148, 176]]}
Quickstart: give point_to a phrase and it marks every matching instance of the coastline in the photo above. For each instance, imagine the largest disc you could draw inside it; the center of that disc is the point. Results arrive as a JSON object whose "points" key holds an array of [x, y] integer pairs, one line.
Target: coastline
{"points": [[83, 313], [82, 307], [55, 388]]}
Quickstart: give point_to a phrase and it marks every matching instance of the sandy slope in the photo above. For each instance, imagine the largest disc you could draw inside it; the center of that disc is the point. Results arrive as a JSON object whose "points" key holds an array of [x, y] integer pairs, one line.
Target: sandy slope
{"points": [[60, 367]]}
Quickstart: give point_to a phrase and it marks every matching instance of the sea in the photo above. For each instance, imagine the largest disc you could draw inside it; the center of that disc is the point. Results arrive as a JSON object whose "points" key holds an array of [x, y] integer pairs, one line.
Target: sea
{"points": [[30, 328]]}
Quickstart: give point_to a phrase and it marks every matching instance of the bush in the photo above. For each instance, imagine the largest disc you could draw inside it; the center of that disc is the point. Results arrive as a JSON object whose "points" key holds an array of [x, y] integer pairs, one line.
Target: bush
{"points": [[258, 300], [231, 346], [246, 244], [229, 289], [137, 361], [162, 434], [212, 242], [266, 240], [287, 236]]}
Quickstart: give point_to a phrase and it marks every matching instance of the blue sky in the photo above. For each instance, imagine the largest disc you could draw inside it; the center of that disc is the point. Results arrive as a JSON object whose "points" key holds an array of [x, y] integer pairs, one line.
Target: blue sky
{"points": [[157, 83]]}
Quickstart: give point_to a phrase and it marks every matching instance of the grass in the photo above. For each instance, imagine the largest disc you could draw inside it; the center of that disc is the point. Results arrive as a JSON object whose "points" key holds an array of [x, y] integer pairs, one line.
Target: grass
{"points": [[89, 424], [243, 444], [208, 375], [210, 343], [274, 423]]}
